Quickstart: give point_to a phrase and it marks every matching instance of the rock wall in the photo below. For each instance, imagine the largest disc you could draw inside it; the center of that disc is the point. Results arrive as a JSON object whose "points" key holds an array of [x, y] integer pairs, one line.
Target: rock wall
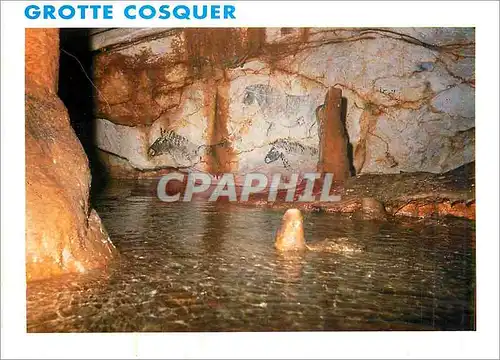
{"points": [[63, 233], [248, 99]]}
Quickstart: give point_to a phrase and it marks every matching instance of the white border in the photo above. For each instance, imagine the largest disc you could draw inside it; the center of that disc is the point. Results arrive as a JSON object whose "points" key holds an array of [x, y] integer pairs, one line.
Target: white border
{"points": [[480, 344]]}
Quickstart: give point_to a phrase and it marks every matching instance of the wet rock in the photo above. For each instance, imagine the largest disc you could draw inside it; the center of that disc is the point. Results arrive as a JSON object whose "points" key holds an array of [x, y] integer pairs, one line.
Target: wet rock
{"points": [[438, 208], [63, 233], [373, 209], [119, 168], [408, 194], [290, 236]]}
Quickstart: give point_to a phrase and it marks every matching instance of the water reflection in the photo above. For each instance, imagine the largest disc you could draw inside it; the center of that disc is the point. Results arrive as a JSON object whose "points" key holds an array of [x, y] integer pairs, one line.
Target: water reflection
{"points": [[216, 227], [290, 266], [213, 267]]}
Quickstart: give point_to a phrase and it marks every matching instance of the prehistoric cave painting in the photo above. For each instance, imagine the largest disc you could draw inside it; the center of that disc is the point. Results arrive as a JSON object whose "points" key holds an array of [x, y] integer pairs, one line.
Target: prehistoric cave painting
{"points": [[279, 108], [282, 148], [298, 122], [294, 147], [173, 144], [293, 116], [294, 103], [177, 146], [275, 154], [258, 93]]}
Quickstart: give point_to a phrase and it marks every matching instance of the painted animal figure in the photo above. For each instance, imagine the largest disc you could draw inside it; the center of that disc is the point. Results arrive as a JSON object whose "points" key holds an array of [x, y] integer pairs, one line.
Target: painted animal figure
{"points": [[168, 142], [282, 147]]}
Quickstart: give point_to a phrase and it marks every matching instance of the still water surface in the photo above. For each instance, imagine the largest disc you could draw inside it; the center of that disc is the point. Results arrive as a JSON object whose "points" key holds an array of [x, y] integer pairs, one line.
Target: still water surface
{"points": [[212, 267]]}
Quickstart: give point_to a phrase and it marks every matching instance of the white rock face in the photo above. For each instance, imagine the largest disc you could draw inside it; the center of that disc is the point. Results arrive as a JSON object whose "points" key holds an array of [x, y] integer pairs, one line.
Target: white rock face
{"points": [[273, 121], [126, 142], [409, 96]]}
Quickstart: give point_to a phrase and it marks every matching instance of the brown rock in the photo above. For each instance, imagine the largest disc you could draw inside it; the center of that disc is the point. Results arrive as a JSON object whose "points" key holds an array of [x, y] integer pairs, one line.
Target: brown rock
{"points": [[63, 234], [138, 88], [169, 100], [42, 57], [459, 209], [127, 86], [424, 209], [373, 209], [176, 76], [333, 140], [117, 88], [290, 235]]}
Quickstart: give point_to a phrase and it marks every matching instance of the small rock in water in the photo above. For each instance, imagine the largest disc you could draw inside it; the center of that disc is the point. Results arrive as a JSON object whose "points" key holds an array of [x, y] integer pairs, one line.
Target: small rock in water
{"points": [[373, 209], [290, 235]]}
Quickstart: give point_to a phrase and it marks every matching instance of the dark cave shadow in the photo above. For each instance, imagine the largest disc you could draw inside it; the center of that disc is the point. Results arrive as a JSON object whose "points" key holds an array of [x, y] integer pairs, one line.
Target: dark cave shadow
{"points": [[350, 151], [77, 93]]}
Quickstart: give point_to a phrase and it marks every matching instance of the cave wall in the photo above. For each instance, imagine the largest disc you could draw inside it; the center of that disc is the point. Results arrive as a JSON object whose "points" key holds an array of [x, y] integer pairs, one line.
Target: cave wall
{"points": [[248, 99], [63, 233]]}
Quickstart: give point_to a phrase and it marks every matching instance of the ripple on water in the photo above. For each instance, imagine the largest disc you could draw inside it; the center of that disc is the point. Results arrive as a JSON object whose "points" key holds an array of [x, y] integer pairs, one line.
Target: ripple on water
{"points": [[210, 267]]}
